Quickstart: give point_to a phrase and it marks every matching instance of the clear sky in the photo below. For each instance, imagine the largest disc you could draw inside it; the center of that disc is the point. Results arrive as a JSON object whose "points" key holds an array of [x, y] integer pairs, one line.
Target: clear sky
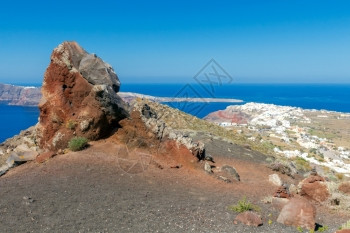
{"points": [[169, 41]]}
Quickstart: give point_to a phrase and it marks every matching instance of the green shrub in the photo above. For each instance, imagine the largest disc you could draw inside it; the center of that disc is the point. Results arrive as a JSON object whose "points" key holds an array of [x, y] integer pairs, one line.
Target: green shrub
{"points": [[323, 229], [244, 205], [77, 143], [302, 164], [345, 225]]}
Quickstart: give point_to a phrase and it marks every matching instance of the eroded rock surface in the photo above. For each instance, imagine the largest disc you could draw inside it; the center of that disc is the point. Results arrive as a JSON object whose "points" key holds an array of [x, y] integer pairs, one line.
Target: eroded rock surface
{"points": [[315, 188], [298, 212], [79, 98], [249, 218], [153, 119], [18, 149]]}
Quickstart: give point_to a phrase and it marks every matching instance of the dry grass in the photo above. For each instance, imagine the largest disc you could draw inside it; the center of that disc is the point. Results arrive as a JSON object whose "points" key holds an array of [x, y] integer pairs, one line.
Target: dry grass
{"points": [[182, 121], [336, 194]]}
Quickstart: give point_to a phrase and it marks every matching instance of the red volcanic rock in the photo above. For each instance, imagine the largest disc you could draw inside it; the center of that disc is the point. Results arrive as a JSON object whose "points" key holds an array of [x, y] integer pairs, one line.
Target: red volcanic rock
{"points": [[282, 192], [298, 212], [45, 156], [315, 188], [343, 231], [249, 218], [79, 98], [344, 187], [228, 115]]}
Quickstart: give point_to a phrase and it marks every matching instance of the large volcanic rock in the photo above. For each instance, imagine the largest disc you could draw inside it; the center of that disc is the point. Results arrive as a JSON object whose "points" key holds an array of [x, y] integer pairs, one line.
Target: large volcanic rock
{"points": [[298, 212], [79, 98], [314, 187]]}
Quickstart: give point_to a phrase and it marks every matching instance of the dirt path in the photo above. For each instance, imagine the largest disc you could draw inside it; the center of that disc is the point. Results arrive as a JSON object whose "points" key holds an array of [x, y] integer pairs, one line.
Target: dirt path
{"points": [[89, 192]]}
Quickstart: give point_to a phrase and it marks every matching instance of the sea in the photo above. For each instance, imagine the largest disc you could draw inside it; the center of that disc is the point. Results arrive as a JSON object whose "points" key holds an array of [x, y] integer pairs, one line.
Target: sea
{"points": [[332, 97]]}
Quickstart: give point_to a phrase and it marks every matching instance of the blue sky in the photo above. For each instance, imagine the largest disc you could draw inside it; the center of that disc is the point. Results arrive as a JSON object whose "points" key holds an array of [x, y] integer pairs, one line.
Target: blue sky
{"points": [[163, 41]]}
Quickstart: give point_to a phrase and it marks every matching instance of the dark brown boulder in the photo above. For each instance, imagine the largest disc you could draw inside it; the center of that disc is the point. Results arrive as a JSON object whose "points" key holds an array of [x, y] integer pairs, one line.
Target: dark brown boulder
{"points": [[79, 98]]}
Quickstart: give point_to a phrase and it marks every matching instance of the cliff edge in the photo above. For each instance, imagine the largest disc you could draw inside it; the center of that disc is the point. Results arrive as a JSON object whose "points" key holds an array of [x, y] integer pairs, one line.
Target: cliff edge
{"points": [[18, 95]]}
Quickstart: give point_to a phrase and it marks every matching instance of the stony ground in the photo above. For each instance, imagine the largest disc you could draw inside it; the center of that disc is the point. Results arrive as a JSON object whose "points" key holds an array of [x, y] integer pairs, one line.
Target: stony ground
{"points": [[90, 191]]}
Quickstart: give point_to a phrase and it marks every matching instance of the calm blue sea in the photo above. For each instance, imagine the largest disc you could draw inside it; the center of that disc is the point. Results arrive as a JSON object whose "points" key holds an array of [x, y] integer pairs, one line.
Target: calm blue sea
{"points": [[333, 97], [13, 119]]}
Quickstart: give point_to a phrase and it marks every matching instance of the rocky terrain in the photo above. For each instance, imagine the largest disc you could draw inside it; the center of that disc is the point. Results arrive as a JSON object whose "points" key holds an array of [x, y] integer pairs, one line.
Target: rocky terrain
{"points": [[149, 168]]}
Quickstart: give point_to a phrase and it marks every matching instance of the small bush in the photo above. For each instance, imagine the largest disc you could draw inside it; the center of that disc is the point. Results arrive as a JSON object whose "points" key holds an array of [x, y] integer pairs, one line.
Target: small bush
{"points": [[340, 176], [302, 164], [244, 205], [323, 229], [71, 125], [77, 143]]}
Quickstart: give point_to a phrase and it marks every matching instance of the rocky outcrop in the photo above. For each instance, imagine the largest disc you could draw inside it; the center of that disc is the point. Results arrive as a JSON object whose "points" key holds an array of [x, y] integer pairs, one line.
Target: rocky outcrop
{"points": [[314, 187], [18, 149], [154, 122], [18, 95], [249, 218], [298, 212], [79, 98], [287, 168]]}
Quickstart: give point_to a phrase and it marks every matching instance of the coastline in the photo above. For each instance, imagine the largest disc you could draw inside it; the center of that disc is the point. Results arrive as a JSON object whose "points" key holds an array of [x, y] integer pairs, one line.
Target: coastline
{"points": [[319, 137], [130, 95]]}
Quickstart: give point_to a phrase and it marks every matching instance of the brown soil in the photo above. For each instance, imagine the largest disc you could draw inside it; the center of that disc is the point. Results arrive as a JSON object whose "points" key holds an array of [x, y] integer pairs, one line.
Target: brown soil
{"points": [[95, 191]]}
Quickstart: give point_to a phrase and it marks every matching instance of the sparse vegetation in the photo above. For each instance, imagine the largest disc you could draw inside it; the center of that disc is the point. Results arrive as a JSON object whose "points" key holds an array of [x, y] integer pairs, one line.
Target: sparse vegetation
{"points": [[302, 164], [269, 221], [77, 143], [345, 225], [180, 120], [244, 205], [322, 133], [322, 229], [71, 125], [340, 176]]}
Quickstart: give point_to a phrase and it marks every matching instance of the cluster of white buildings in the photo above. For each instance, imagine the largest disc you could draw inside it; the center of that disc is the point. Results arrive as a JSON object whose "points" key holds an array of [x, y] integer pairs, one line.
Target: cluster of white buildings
{"points": [[282, 122]]}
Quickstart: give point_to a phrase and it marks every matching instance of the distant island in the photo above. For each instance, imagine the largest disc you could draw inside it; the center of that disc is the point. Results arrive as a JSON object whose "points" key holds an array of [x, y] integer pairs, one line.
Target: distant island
{"points": [[19, 95], [30, 96], [127, 96]]}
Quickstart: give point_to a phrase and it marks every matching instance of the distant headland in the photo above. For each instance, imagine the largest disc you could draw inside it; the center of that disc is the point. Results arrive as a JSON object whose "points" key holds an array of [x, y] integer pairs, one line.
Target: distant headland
{"points": [[30, 96]]}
